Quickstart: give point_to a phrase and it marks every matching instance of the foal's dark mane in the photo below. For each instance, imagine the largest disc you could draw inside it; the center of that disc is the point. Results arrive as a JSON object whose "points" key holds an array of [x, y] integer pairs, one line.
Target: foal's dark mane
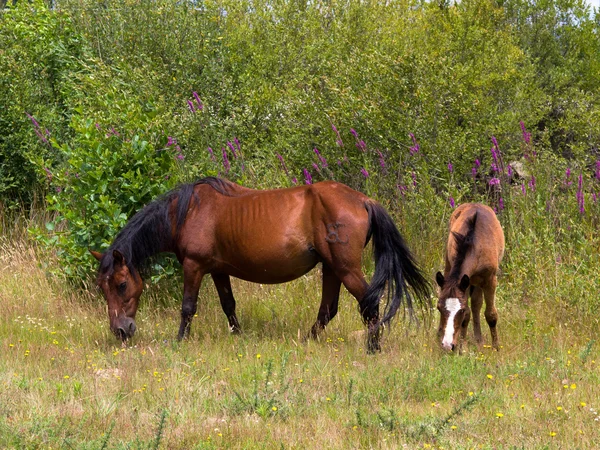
{"points": [[150, 231], [464, 244]]}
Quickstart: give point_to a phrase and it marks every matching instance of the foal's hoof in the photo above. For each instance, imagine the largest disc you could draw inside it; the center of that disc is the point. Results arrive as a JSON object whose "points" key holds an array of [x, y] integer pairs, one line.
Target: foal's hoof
{"points": [[373, 348]]}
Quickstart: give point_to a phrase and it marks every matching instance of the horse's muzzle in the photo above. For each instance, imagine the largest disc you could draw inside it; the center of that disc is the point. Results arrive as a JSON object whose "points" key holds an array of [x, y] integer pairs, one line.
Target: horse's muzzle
{"points": [[448, 347], [125, 329]]}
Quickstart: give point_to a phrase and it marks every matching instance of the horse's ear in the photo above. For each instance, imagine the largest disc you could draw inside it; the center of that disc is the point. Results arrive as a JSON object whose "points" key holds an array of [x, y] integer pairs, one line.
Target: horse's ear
{"points": [[465, 282], [439, 279], [118, 258], [96, 255]]}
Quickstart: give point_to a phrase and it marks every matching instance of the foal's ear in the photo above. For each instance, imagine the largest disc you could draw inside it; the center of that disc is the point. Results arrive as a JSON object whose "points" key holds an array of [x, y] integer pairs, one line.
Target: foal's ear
{"points": [[439, 279], [118, 258], [465, 282], [96, 255]]}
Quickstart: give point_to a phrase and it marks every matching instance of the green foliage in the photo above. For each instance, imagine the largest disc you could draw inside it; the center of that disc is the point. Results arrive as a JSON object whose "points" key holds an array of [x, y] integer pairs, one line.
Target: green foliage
{"points": [[40, 53], [105, 178]]}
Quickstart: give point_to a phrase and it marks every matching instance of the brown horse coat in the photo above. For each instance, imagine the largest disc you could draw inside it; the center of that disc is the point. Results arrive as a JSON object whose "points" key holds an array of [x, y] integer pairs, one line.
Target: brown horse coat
{"points": [[219, 228], [473, 254]]}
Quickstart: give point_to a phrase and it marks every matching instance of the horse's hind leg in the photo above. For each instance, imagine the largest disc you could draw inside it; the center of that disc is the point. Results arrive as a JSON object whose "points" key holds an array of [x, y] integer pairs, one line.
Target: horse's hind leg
{"points": [[491, 314], [192, 278], [223, 285], [476, 303], [329, 301]]}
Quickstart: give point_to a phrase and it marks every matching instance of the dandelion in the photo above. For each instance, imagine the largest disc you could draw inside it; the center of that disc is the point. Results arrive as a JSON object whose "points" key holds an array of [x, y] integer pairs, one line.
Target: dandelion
{"points": [[470, 393], [583, 404], [559, 408], [258, 355], [552, 433], [490, 376], [307, 176], [573, 386], [364, 172], [499, 415], [274, 408], [453, 427]]}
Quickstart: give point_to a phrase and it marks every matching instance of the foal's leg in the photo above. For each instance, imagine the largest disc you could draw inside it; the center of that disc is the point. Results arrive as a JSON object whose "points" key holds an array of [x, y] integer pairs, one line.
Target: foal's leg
{"points": [[491, 314], [192, 278], [476, 303], [329, 300], [463, 329], [223, 285]]}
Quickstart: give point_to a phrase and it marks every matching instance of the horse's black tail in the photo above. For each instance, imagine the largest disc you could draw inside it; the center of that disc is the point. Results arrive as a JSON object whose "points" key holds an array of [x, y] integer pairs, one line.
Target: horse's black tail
{"points": [[394, 266]]}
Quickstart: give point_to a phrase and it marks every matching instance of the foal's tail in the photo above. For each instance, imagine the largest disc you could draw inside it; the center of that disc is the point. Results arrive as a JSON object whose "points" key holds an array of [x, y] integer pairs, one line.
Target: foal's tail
{"points": [[394, 265]]}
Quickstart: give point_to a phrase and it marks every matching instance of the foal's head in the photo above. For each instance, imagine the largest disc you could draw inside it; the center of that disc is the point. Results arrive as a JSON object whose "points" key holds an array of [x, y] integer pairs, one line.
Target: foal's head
{"points": [[122, 287], [453, 306]]}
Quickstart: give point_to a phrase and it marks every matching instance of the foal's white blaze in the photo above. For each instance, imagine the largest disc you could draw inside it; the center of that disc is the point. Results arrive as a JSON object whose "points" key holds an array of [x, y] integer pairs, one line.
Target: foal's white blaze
{"points": [[452, 306]]}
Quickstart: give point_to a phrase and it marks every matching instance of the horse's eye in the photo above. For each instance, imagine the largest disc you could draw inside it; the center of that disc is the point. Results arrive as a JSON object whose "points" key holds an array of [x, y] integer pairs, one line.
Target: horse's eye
{"points": [[122, 287]]}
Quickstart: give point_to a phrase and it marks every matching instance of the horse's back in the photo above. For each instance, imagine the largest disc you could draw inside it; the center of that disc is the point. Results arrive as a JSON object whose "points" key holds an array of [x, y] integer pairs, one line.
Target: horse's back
{"points": [[488, 240], [270, 236]]}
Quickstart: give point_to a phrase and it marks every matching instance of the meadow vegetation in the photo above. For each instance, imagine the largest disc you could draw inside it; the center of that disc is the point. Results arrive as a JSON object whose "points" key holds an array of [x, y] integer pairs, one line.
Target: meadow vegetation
{"points": [[423, 106]]}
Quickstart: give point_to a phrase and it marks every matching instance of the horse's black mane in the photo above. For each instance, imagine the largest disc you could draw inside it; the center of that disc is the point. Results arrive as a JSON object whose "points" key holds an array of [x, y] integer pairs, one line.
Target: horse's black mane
{"points": [[150, 232], [464, 244]]}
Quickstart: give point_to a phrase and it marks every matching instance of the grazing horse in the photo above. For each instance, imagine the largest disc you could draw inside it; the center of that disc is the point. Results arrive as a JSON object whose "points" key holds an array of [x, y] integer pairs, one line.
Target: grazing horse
{"points": [[473, 253], [220, 228]]}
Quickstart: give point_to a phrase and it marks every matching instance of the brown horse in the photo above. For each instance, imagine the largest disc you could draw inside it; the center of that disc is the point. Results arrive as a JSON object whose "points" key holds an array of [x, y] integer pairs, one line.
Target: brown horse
{"points": [[217, 227], [473, 253]]}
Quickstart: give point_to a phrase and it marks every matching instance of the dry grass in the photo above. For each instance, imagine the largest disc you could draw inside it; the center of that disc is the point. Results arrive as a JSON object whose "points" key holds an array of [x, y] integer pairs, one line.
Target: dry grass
{"points": [[66, 383]]}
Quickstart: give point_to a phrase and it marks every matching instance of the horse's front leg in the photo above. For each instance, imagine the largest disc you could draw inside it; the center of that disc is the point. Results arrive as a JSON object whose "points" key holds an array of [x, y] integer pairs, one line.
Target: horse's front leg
{"points": [[192, 278]]}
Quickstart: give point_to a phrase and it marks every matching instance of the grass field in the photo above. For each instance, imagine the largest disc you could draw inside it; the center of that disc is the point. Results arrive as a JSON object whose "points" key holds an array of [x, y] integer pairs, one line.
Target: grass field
{"points": [[65, 382]]}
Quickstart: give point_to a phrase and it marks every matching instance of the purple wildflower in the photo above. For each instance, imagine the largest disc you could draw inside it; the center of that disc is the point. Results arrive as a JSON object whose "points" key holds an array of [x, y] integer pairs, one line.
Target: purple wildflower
{"points": [[191, 105], [283, 166], [477, 163], [532, 183], [294, 180], [58, 189], [237, 144], [523, 189], [526, 135], [354, 133], [509, 171], [307, 176], [212, 154], [494, 181], [233, 152], [500, 204], [381, 160], [197, 97], [594, 197], [474, 172], [97, 125], [567, 181], [48, 173], [450, 167], [171, 141], [598, 170], [316, 167], [180, 156], [321, 158], [364, 172], [413, 175], [415, 148], [451, 200], [338, 141], [35, 123], [225, 160], [41, 136], [403, 189]]}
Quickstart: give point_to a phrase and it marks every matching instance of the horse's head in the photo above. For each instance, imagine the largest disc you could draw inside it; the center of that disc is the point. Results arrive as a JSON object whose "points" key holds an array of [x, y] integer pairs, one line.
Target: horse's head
{"points": [[122, 288], [453, 305]]}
